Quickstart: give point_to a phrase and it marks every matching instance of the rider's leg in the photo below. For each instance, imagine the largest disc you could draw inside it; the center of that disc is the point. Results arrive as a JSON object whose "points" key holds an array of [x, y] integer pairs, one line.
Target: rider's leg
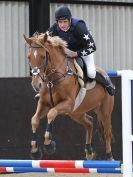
{"points": [[93, 74], [106, 82], [91, 69]]}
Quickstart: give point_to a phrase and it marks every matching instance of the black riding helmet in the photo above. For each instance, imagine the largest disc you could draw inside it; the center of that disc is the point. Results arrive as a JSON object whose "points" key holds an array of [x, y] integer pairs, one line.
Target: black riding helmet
{"points": [[62, 12]]}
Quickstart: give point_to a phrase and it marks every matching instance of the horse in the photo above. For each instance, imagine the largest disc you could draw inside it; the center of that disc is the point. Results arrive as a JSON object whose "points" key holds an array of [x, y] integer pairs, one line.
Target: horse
{"points": [[54, 77]]}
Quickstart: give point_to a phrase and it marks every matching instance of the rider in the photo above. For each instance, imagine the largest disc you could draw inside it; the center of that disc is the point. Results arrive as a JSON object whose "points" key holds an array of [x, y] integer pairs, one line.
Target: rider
{"points": [[80, 43]]}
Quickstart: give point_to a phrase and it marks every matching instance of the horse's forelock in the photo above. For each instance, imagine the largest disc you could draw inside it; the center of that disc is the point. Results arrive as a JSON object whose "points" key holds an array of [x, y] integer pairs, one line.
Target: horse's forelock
{"points": [[38, 39]]}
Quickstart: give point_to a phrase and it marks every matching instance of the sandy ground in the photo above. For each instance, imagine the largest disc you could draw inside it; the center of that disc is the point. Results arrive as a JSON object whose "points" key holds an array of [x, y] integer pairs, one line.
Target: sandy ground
{"points": [[59, 175]]}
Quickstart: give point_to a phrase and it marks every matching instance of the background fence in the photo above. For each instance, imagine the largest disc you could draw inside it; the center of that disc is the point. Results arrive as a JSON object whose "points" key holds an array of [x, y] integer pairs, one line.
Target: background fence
{"points": [[17, 107]]}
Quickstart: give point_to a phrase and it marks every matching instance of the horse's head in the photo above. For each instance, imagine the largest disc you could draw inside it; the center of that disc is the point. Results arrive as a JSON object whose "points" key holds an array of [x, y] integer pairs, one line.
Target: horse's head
{"points": [[45, 55], [37, 58]]}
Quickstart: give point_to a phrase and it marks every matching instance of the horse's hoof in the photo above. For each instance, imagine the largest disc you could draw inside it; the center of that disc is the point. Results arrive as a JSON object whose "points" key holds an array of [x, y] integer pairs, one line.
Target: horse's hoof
{"points": [[90, 156], [50, 148], [36, 155], [109, 156]]}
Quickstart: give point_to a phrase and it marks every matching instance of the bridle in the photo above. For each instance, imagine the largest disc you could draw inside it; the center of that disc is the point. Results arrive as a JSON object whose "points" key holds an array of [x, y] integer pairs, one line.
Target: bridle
{"points": [[36, 70], [47, 76]]}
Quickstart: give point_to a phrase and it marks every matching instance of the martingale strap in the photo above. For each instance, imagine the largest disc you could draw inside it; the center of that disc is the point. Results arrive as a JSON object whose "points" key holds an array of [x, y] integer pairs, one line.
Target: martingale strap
{"points": [[50, 85]]}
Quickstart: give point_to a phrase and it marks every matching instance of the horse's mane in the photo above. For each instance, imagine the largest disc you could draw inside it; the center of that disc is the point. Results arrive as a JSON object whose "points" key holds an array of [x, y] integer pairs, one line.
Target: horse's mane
{"points": [[54, 41]]}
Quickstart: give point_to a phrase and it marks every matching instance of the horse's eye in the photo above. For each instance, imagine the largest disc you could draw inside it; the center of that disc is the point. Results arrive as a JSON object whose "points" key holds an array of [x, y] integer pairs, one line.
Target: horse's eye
{"points": [[35, 71]]}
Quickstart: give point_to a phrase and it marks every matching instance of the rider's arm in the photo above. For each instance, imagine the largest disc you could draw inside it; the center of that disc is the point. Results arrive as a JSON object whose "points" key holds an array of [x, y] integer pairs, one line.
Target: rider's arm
{"points": [[71, 53], [84, 35]]}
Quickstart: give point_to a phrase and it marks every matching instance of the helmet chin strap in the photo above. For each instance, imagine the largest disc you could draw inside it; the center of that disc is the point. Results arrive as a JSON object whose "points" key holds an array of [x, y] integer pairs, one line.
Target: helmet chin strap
{"points": [[70, 20]]}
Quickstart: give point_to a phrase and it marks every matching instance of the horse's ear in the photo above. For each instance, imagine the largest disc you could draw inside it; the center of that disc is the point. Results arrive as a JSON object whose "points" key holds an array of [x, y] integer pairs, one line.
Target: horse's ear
{"points": [[28, 40]]}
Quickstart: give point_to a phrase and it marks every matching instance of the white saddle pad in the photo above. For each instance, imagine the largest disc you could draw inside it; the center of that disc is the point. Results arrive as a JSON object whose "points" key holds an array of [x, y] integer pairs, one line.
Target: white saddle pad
{"points": [[82, 94]]}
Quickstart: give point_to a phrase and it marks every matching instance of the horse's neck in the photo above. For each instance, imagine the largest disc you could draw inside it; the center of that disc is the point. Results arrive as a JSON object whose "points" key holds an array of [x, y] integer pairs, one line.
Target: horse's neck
{"points": [[58, 61]]}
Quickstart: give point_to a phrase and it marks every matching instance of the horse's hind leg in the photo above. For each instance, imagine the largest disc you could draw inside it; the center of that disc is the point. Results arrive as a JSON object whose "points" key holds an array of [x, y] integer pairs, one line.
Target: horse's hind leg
{"points": [[86, 121], [104, 113]]}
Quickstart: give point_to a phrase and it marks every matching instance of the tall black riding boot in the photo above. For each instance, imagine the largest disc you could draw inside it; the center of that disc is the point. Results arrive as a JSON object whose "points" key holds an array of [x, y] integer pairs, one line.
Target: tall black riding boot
{"points": [[106, 82]]}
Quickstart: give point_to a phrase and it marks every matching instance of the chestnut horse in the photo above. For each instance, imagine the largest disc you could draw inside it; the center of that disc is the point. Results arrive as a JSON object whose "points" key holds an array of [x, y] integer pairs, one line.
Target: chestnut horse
{"points": [[54, 76]]}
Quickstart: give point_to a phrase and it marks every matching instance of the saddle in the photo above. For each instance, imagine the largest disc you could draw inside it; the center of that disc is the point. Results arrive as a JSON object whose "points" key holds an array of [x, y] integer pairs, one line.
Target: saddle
{"points": [[83, 67], [83, 79]]}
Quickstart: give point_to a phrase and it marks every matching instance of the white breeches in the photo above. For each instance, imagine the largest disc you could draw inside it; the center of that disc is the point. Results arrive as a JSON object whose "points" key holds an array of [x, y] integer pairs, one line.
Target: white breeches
{"points": [[91, 69]]}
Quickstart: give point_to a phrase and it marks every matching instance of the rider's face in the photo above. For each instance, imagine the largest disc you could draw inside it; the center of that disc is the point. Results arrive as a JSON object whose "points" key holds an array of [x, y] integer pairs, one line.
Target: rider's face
{"points": [[64, 24]]}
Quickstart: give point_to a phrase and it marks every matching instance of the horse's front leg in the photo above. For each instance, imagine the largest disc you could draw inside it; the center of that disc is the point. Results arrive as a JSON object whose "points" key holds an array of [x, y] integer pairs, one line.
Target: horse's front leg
{"points": [[36, 152], [61, 108]]}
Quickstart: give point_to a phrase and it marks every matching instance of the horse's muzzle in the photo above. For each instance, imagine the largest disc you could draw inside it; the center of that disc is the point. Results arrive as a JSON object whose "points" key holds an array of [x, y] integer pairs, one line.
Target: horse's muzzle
{"points": [[37, 84]]}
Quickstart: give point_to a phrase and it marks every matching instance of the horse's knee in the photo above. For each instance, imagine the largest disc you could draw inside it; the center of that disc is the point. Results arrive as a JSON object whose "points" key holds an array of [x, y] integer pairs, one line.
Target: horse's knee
{"points": [[34, 122], [52, 114]]}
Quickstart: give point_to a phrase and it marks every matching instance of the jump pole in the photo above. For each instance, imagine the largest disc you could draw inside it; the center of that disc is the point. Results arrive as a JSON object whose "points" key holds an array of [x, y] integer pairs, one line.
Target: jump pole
{"points": [[61, 163], [127, 137], [60, 170]]}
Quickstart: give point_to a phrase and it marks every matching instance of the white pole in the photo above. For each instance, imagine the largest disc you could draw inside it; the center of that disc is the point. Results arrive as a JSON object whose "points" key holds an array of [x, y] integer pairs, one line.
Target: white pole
{"points": [[127, 76]]}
